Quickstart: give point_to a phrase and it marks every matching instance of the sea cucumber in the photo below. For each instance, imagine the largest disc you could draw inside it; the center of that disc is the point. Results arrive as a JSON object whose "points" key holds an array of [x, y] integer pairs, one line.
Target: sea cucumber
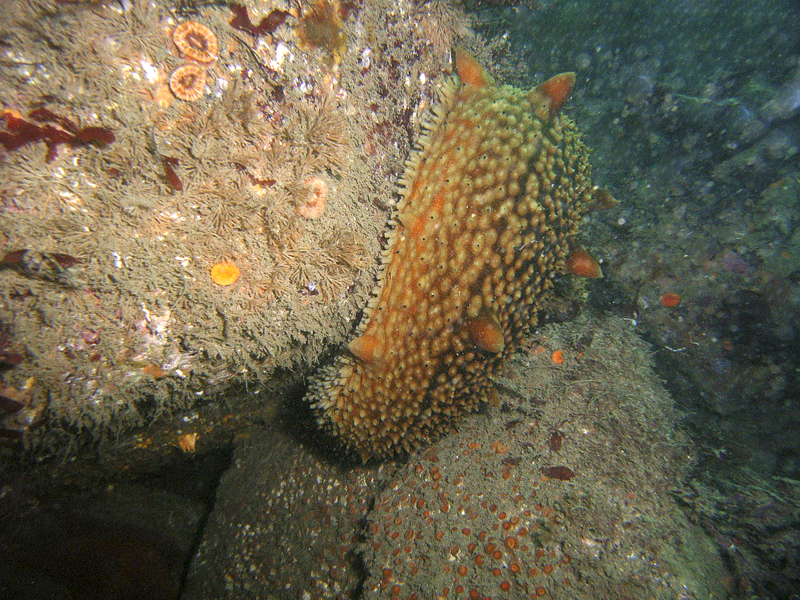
{"points": [[490, 205]]}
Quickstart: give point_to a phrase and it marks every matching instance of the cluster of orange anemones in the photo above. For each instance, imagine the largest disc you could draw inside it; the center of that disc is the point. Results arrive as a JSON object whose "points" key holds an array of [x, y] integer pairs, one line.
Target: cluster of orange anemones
{"points": [[197, 43]]}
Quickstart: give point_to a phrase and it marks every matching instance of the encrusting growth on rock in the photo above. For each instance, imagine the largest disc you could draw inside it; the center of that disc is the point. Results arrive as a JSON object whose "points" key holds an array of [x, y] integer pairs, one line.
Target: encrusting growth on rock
{"points": [[313, 205], [491, 203]]}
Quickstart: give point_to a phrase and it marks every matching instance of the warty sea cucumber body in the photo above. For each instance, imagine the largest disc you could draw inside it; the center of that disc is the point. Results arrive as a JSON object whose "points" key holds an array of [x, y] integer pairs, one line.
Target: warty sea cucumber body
{"points": [[490, 205]]}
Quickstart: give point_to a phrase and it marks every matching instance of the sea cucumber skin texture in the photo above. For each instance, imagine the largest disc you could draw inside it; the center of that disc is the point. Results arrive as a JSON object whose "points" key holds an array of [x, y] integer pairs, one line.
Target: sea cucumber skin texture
{"points": [[490, 204]]}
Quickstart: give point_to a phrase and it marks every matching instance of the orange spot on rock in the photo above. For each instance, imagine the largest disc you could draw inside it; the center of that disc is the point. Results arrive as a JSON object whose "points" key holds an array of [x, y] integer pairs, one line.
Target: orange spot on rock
{"points": [[670, 299], [188, 442], [499, 447], [154, 371], [224, 273], [558, 357]]}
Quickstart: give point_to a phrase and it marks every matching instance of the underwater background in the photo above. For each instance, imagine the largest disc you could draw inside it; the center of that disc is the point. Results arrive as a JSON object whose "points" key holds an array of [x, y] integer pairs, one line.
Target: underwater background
{"points": [[195, 199]]}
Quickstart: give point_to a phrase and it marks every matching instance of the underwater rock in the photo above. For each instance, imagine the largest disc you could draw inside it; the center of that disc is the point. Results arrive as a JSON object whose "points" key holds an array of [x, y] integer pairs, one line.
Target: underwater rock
{"points": [[284, 525], [474, 516], [278, 165], [786, 103]]}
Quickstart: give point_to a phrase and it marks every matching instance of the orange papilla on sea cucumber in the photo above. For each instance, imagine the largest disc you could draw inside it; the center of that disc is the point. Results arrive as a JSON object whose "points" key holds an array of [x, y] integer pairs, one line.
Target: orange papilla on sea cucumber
{"points": [[583, 264], [489, 210]]}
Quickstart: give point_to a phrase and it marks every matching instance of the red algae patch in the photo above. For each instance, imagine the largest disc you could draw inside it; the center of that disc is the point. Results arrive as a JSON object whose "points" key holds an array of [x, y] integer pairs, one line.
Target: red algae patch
{"points": [[53, 131], [241, 20]]}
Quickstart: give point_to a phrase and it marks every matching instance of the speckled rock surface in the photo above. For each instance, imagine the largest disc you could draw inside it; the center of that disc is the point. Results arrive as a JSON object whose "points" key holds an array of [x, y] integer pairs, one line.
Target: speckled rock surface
{"points": [[284, 525], [703, 155], [566, 493]]}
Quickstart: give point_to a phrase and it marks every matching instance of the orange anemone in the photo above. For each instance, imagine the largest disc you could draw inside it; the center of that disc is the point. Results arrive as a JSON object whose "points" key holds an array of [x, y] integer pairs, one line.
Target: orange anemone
{"points": [[188, 82], [196, 42], [224, 273]]}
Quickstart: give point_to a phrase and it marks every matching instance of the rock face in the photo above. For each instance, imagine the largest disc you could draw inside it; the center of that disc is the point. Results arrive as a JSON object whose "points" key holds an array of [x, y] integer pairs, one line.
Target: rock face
{"points": [[567, 494], [284, 525], [270, 170], [564, 491], [491, 204]]}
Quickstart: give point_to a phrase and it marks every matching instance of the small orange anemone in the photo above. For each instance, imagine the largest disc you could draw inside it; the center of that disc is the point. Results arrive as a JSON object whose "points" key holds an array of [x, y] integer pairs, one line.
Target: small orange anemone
{"points": [[314, 204], [558, 357], [196, 42], [224, 273], [188, 82]]}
